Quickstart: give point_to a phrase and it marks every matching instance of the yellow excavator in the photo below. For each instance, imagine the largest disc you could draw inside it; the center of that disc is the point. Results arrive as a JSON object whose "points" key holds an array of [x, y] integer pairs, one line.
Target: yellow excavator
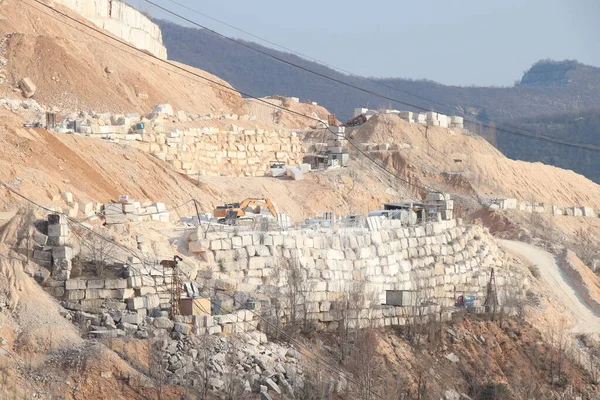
{"points": [[234, 211]]}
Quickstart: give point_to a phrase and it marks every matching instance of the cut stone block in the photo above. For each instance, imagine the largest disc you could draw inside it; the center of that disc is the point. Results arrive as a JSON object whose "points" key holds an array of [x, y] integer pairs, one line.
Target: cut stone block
{"points": [[124, 294], [152, 301], [115, 283], [67, 197], [58, 230], [75, 284], [62, 252], [95, 284], [136, 303]]}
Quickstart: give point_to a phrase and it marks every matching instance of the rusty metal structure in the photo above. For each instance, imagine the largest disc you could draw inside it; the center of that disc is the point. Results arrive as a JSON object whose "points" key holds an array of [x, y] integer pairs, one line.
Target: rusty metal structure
{"points": [[175, 284]]}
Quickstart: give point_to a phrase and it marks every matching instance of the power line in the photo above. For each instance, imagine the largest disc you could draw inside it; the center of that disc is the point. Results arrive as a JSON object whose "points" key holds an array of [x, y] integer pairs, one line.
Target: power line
{"points": [[71, 222], [375, 81], [512, 130], [382, 167], [283, 60], [215, 83]]}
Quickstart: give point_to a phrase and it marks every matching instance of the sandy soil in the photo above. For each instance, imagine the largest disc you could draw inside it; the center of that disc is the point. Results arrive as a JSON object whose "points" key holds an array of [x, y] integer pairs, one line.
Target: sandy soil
{"points": [[69, 65]]}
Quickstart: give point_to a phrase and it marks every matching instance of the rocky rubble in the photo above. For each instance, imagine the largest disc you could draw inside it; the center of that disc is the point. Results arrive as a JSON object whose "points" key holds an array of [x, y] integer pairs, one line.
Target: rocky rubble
{"points": [[247, 362], [244, 362]]}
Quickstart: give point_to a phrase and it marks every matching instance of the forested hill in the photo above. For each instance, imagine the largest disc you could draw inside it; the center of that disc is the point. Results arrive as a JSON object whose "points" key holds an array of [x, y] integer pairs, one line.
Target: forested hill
{"points": [[582, 127]]}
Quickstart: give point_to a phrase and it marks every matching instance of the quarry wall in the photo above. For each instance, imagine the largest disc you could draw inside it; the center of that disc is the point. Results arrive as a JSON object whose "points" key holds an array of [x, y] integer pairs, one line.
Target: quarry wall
{"points": [[123, 21], [213, 152]]}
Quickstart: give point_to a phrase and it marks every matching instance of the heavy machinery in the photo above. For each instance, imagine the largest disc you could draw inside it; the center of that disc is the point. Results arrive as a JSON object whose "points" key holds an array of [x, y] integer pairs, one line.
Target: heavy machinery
{"points": [[247, 209]]}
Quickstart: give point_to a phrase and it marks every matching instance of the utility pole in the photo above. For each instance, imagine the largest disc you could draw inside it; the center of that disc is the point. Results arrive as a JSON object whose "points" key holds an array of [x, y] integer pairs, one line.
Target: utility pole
{"points": [[197, 211]]}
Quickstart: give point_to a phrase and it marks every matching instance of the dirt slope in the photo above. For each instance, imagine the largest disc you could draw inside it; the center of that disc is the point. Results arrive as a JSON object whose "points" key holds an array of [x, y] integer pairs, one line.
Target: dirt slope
{"points": [[41, 165], [457, 159], [586, 321], [79, 69]]}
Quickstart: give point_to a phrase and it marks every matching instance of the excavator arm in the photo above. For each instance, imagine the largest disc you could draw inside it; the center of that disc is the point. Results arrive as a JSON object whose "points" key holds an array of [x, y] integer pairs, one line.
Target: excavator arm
{"points": [[221, 212]]}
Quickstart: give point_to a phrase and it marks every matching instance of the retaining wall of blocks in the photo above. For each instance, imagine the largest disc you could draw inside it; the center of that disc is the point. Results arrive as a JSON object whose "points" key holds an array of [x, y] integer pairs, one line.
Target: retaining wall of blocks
{"points": [[213, 152], [439, 262], [543, 208]]}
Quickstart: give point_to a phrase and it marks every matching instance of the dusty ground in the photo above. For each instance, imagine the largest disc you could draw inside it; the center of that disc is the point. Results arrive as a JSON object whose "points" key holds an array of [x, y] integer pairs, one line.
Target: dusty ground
{"points": [[68, 64], [586, 321]]}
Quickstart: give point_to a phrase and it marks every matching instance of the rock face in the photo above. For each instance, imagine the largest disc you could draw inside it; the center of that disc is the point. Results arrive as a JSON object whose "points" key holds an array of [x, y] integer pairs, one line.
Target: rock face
{"points": [[123, 21], [28, 88]]}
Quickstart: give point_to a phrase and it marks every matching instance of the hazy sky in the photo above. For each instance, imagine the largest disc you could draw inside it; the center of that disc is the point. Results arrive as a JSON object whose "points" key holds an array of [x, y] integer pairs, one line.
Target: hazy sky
{"points": [[455, 42]]}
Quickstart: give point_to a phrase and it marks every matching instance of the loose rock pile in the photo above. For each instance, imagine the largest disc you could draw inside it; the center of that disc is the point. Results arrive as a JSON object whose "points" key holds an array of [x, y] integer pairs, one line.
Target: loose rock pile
{"points": [[245, 363]]}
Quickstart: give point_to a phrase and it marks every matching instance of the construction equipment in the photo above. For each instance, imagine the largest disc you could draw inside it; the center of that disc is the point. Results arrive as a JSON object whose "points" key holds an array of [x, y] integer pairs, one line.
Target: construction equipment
{"points": [[466, 301], [175, 284], [232, 212]]}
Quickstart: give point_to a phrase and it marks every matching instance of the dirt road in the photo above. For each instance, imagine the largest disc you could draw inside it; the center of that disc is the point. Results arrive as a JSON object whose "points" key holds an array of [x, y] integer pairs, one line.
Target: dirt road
{"points": [[586, 321]]}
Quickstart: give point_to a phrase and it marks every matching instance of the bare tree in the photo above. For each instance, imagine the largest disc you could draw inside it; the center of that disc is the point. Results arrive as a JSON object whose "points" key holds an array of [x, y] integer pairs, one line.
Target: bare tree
{"points": [[362, 364], [416, 314], [585, 246], [234, 382], [563, 347], [204, 369], [156, 363], [297, 292], [350, 306], [314, 386], [99, 251]]}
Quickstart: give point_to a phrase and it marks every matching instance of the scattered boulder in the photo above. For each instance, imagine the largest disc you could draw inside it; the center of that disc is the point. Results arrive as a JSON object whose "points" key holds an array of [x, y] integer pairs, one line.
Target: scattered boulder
{"points": [[182, 328], [182, 116], [272, 385], [215, 383], [28, 88], [451, 395], [162, 110], [163, 323], [452, 357]]}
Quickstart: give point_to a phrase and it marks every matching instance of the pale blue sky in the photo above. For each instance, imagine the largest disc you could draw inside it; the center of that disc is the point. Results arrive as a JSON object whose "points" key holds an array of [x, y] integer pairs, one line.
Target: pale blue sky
{"points": [[455, 42]]}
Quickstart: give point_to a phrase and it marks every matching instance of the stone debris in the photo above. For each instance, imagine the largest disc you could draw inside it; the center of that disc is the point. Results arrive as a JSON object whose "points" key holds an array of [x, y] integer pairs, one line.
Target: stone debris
{"points": [[28, 88], [452, 357], [258, 367]]}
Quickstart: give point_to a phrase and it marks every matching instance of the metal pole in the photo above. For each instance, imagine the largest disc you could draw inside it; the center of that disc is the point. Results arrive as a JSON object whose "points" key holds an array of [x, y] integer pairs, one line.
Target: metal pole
{"points": [[197, 212]]}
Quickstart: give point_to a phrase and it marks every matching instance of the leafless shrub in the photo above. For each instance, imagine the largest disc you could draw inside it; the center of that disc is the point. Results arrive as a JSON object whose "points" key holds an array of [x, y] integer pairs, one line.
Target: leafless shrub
{"points": [[585, 247], [362, 364]]}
